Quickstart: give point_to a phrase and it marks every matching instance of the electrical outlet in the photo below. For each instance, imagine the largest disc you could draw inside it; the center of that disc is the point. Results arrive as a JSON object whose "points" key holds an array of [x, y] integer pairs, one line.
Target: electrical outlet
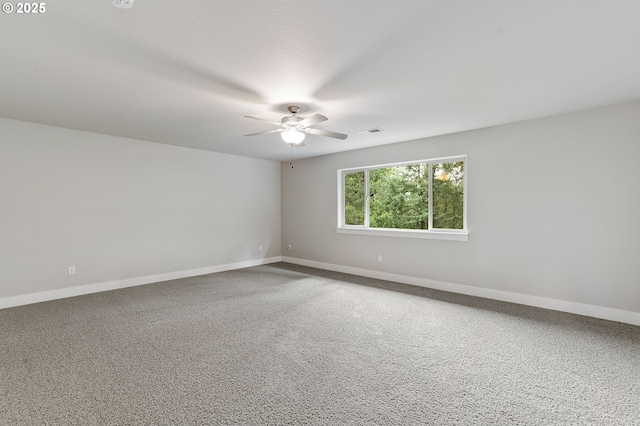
{"points": [[289, 247], [260, 247], [379, 258], [72, 270]]}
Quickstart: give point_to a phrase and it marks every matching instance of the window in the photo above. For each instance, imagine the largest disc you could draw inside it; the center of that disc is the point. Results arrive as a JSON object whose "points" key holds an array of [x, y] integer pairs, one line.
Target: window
{"points": [[422, 199]]}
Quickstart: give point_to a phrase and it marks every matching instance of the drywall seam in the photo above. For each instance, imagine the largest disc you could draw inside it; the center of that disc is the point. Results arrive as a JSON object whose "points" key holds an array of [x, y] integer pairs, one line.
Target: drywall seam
{"points": [[601, 312], [44, 296]]}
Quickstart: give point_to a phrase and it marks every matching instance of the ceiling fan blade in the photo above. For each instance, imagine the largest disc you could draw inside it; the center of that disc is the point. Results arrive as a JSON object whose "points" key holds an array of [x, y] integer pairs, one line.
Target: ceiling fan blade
{"points": [[262, 119], [313, 120], [265, 132], [335, 135]]}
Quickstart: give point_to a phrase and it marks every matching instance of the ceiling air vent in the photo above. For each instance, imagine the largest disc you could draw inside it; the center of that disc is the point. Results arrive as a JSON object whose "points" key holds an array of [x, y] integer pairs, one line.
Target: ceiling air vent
{"points": [[368, 131]]}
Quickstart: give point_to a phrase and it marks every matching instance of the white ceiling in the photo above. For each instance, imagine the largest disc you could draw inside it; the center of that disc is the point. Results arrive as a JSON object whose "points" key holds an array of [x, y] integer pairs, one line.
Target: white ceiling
{"points": [[185, 72]]}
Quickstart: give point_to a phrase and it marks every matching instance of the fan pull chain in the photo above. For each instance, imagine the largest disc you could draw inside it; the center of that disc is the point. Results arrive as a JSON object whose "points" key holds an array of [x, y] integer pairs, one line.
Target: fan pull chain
{"points": [[291, 156]]}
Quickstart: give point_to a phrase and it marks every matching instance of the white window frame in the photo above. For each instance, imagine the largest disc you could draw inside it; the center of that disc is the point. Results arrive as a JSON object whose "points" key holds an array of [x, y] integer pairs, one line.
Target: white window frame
{"points": [[437, 234]]}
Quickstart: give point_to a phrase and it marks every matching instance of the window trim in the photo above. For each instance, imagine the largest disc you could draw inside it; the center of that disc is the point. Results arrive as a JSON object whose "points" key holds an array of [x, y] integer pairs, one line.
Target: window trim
{"points": [[436, 234]]}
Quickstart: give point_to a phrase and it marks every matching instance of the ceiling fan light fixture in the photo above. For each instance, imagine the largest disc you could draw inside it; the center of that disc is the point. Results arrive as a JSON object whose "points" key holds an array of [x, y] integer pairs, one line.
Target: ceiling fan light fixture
{"points": [[292, 136], [293, 128]]}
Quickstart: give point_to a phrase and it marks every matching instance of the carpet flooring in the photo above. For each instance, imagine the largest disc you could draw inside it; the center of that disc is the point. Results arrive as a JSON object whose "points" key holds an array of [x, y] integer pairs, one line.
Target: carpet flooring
{"points": [[283, 344]]}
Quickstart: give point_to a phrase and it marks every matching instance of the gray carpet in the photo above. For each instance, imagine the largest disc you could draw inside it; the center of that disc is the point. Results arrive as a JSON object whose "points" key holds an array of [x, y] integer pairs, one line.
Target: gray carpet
{"points": [[284, 344]]}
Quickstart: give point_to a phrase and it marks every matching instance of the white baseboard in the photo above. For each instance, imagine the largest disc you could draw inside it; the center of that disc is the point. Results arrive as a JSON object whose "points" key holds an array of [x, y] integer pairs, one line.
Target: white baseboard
{"points": [[44, 296], [601, 312], [594, 311]]}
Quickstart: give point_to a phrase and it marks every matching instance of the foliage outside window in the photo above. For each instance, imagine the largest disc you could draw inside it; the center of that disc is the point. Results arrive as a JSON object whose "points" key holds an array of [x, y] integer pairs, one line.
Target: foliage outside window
{"points": [[354, 198], [423, 196]]}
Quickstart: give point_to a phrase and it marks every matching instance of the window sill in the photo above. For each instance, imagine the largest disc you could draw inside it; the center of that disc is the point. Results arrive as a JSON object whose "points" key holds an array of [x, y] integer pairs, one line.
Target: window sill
{"points": [[451, 235]]}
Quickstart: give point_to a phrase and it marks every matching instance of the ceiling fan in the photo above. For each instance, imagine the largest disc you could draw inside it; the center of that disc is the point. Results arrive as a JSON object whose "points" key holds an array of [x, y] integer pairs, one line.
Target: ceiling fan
{"points": [[294, 128]]}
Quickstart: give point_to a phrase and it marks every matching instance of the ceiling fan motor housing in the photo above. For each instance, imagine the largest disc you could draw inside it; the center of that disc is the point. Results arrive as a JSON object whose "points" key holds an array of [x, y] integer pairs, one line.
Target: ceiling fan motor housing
{"points": [[290, 121]]}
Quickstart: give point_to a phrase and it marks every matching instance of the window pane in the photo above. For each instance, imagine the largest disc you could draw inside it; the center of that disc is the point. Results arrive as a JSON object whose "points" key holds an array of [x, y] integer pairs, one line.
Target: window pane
{"points": [[399, 197], [448, 196], [354, 198]]}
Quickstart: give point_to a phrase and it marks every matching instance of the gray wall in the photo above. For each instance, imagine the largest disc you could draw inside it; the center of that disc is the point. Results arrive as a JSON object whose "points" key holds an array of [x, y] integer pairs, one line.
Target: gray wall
{"points": [[552, 203], [118, 208]]}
